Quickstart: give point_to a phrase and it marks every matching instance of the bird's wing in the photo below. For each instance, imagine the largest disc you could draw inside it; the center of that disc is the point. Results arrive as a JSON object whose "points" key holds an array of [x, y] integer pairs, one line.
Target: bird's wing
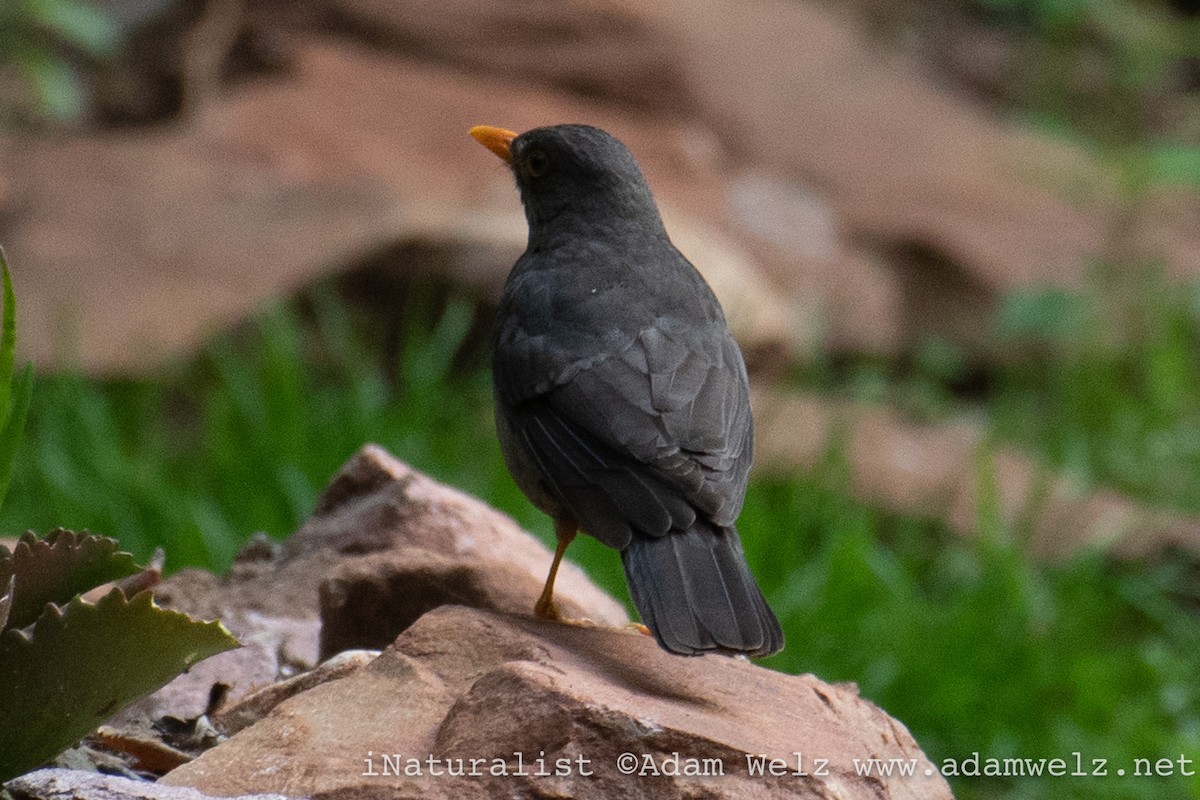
{"points": [[641, 438]]}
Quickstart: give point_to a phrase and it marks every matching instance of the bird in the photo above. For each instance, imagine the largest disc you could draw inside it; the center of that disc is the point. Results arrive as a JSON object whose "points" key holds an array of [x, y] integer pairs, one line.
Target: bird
{"points": [[621, 398]]}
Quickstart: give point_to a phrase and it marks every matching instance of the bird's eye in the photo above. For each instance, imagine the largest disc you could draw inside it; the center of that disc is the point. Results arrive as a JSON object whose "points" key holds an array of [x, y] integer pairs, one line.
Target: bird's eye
{"points": [[537, 163]]}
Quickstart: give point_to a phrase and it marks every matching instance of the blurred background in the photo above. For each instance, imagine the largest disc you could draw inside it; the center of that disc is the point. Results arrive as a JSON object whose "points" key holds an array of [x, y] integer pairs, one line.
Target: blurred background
{"points": [[959, 241]]}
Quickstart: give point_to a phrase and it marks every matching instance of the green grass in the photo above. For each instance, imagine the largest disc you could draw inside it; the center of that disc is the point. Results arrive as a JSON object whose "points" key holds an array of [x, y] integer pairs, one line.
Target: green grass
{"points": [[982, 649], [15, 387], [1103, 383], [973, 646], [1119, 403], [1109, 74], [244, 438], [976, 648]]}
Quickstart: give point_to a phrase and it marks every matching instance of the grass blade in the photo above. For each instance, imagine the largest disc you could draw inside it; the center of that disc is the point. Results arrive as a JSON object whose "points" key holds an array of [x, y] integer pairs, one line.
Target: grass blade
{"points": [[8, 339], [14, 395], [10, 436]]}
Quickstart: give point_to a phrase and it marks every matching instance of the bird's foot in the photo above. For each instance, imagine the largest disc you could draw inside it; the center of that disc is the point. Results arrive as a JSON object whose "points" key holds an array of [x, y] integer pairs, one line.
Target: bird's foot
{"points": [[637, 627], [550, 611], [545, 608]]}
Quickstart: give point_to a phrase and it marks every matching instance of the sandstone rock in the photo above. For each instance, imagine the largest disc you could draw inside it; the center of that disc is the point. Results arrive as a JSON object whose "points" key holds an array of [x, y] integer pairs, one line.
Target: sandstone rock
{"points": [[962, 206], [167, 234], [935, 471], [160, 237], [894, 208], [66, 784], [492, 682], [518, 693], [254, 707], [368, 602], [274, 645], [385, 545], [607, 50], [417, 544]]}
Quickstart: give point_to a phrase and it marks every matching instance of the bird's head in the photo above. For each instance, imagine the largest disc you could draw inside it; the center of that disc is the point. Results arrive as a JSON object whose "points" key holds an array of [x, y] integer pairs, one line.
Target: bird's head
{"points": [[577, 177]]}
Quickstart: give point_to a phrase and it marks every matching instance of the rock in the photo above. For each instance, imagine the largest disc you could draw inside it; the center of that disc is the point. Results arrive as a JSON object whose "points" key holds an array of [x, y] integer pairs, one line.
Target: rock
{"points": [[367, 603], [472, 674], [131, 257], [139, 753], [519, 693], [66, 784], [273, 647], [254, 707], [414, 544], [961, 206], [610, 51], [385, 545], [134, 253], [855, 204], [933, 471]]}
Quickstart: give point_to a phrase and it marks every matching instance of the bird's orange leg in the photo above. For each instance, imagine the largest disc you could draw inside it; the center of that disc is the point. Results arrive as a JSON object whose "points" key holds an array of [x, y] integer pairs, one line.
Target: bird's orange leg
{"points": [[564, 531]]}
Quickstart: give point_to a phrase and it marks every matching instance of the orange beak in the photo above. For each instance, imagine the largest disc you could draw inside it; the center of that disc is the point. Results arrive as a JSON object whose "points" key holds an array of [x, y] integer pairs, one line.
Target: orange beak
{"points": [[495, 139]]}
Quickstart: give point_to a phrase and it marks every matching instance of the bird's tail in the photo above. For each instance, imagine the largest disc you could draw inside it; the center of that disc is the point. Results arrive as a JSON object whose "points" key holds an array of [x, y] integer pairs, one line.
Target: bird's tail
{"points": [[696, 594]]}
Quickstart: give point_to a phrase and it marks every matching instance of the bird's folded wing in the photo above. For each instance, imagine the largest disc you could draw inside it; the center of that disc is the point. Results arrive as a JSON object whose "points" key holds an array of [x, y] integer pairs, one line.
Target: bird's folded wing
{"points": [[649, 435]]}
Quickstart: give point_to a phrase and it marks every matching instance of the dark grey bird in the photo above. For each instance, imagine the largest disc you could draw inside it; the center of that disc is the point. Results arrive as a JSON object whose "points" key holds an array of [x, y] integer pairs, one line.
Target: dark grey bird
{"points": [[622, 401]]}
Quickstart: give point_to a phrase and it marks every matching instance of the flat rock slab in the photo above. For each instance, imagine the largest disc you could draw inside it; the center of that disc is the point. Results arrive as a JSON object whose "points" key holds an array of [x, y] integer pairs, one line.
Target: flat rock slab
{"points": [[70, 784], [385, 545], [933, 471], [528, 708]]}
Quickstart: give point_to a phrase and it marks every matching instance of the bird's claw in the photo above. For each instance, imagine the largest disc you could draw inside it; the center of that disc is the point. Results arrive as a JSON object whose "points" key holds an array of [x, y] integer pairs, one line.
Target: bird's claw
{"points": [[548, 609]]}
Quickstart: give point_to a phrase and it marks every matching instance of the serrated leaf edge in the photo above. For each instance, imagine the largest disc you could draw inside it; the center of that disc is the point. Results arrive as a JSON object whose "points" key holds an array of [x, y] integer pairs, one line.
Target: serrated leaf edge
{"points": [[55, 614]]}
